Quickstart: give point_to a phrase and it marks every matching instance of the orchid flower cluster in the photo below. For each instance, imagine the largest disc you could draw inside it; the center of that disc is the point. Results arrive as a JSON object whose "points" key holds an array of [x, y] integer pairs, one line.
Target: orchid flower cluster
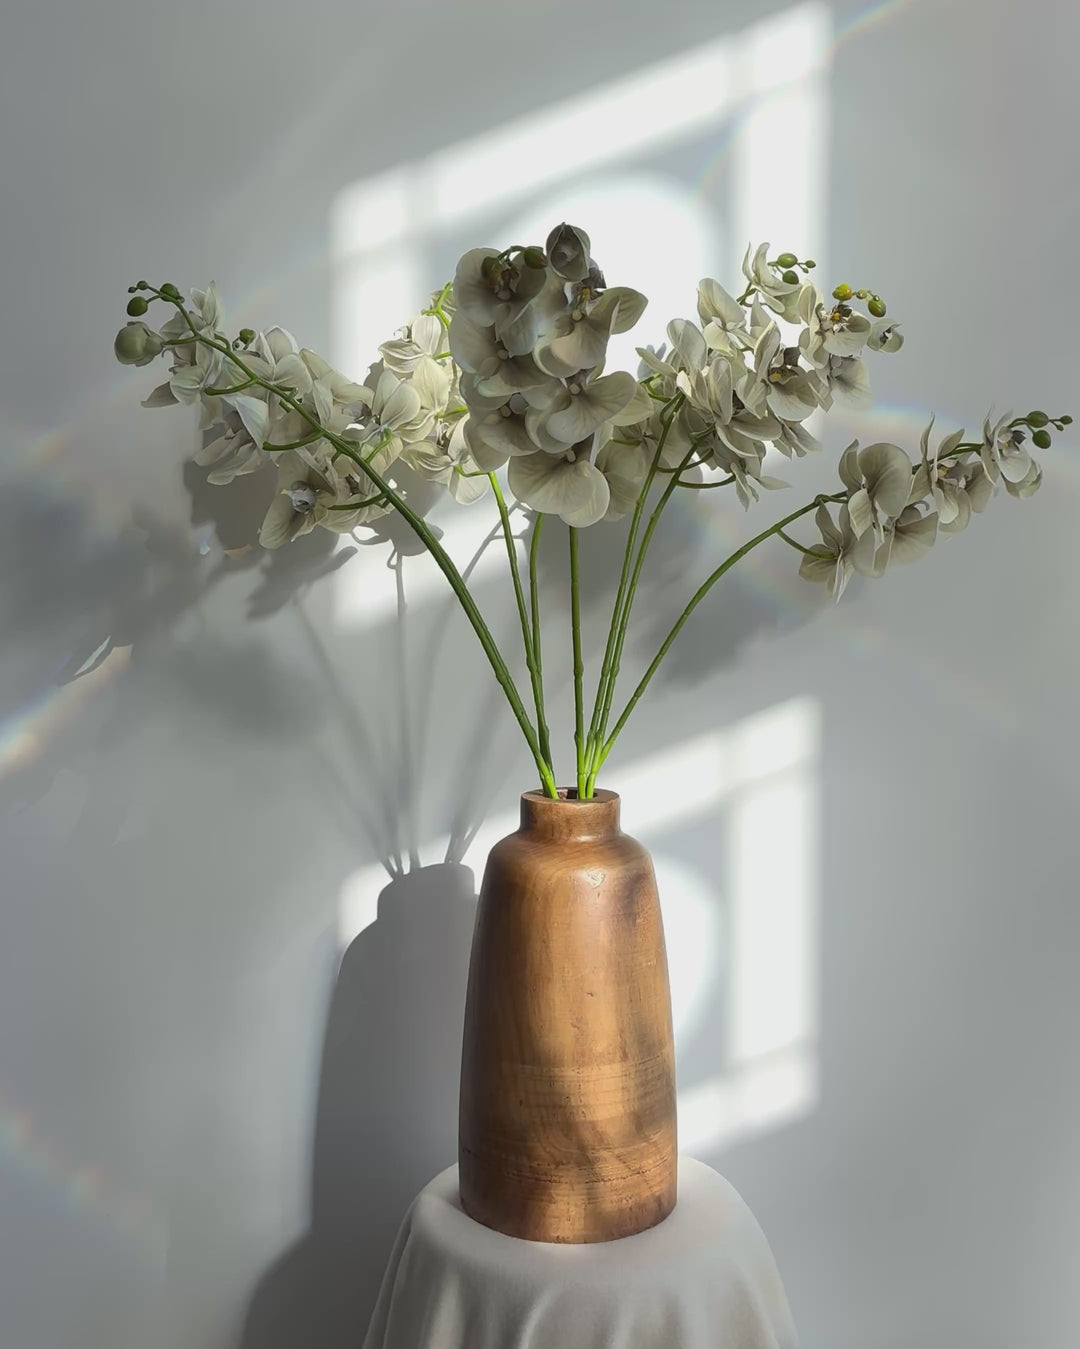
{"points": [[505, 369]]}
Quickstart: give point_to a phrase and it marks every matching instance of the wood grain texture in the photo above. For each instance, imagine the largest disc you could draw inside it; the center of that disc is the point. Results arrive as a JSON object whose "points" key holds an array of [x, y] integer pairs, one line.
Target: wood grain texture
{"points": [[567, 1118]]}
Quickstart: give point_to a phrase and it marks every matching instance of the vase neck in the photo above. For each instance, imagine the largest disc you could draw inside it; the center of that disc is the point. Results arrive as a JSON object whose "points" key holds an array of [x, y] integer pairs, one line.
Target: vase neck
{"points": [[569, 820]]}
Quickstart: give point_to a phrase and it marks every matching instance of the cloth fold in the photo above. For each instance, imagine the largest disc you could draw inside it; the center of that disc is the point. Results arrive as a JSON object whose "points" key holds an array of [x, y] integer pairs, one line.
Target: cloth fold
{"points": [[702, 1279]]}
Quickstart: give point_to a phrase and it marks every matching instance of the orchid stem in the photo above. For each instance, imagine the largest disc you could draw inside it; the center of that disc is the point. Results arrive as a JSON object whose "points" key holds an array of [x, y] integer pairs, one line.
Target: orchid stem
{"points": [[695, 600], [583, 789], [527, 634]]}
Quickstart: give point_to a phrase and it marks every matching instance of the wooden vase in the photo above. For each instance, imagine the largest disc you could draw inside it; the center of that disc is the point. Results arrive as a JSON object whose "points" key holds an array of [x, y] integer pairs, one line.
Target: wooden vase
{"points": [[567, 1118]]}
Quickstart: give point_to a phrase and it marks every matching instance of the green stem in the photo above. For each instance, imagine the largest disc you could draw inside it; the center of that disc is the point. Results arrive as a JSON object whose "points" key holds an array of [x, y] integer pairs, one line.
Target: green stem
{"points": [[523, 617], [707, 486], [424, 533], [271, 448], [583, 790], [628, 604], [698, 596], [534, 606], [794, 543], [236, 388], [592, 743]]}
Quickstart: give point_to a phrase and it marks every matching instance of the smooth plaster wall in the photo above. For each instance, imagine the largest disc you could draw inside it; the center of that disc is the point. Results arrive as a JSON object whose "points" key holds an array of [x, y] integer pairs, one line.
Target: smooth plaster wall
{"points": [[210, 1123]]}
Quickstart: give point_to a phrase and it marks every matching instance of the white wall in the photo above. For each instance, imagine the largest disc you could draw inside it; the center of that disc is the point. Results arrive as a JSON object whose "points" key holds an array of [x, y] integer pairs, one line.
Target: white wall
{"points": [[208, 1131]]}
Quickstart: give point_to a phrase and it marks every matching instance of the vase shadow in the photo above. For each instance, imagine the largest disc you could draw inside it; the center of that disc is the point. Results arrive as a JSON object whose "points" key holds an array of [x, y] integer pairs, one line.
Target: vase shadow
{"points": [[386, 1112]]}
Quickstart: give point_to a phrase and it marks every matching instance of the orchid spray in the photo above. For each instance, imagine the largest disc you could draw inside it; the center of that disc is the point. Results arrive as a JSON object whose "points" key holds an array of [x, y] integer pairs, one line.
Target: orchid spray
{"points": [[502, 378]]}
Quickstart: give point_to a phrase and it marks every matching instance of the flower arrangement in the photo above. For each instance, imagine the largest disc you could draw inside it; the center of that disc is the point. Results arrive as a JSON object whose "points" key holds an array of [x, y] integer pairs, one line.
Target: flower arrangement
{"points": [[505, 369]]}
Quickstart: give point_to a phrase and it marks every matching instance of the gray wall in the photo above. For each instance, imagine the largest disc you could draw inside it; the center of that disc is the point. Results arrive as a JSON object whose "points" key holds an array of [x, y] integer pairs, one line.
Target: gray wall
{"points": [[210, 1121]]}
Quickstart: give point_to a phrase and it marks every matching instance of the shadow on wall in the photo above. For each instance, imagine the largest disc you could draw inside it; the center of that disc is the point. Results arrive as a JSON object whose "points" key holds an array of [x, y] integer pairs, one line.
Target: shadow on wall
{"points": [[386, 1117]]}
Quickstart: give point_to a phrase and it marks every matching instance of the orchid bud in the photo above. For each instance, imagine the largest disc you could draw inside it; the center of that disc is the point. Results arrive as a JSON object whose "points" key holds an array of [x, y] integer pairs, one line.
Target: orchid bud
{"points": [[876, 306], [809, 264], [792, 278], [534, 257], [136, 306], [1037, 419], [136, 344], [170, 290], [786, 260], [247, 336], [1042, 439], [1065, 419], [843, 292], [568, 251]]}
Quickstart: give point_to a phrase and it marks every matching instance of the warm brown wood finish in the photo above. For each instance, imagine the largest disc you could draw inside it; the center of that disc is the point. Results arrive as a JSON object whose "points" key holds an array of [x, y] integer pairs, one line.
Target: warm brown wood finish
{"points": [[567, 1123]]}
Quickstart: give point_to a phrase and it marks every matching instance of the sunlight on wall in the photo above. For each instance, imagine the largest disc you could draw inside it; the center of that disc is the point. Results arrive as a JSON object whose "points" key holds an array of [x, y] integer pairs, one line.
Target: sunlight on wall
{"points": [[747, 927], [761, 120]]}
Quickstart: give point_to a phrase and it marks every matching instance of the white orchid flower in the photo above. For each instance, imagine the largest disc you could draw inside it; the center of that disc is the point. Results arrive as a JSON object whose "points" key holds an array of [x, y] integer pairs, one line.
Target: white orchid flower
{"points": [[654, 362], [1003, 452], [848, 381], [497, 372], [1028, 485], [567, 485], [625, 467], [445, 458], [778, 383], [956, 484], [748, 435], [304, 498], [907, 538], [196, 368], [831, 330], [342, 389], [579, 340], [781, 296], [746, 470], [497, 299], [495, 437], [397, 412], [878, 479], [233, 453], [885, 335], [795, 439], [716, 307], [840, 553], [581, 409]]}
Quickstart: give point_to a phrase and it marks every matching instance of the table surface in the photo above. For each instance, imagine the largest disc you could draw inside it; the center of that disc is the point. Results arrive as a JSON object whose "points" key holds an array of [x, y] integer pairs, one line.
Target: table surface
{"points": [[702, 1279]]}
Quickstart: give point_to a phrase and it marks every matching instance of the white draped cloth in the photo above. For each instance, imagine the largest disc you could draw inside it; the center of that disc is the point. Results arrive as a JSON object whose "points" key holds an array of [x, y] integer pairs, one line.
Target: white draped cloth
{"points": [[704, 1278]]}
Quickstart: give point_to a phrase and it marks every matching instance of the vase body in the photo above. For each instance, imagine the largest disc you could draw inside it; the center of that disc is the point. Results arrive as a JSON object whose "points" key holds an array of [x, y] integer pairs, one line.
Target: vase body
{"points": [[567, 1112]]}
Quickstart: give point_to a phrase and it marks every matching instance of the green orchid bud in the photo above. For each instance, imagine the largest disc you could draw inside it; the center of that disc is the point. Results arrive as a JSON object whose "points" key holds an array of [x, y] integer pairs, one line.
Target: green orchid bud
{"points": [[247, 336], [862, 294], [1037, 419], [136, 344], [876, 306], [809, 264], [170, 290], [534, 257], [786, 260], [1065, 419], [1042, 439], [843, 292], [791, 277], [136, 306], [568, 252]]}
